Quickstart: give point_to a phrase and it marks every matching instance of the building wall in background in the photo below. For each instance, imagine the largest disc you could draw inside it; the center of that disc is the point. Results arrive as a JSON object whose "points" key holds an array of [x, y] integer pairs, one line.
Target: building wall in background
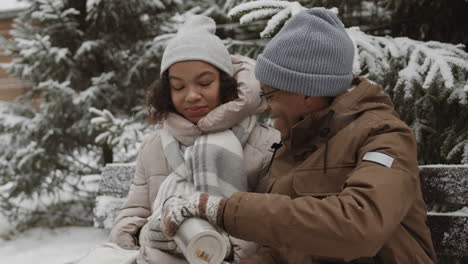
{"points": [[10, 87]]}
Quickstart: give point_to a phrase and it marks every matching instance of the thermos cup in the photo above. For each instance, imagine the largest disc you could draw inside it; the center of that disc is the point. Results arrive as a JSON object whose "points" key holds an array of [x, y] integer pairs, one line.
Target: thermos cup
{"points": [[200, 242]]}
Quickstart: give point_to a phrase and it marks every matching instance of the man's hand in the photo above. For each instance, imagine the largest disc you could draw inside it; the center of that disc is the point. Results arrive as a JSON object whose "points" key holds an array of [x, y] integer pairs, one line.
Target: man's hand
{"points": [[177, 209], [152, 236]]}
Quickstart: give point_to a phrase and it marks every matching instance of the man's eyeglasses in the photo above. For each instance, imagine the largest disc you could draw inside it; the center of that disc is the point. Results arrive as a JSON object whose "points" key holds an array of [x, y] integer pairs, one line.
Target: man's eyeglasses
{"points": [[267, 95]]}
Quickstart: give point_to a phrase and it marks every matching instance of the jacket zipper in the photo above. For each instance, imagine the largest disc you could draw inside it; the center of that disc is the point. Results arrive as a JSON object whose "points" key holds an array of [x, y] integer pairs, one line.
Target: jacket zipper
{"points": [[275, 146], [324, 132]]}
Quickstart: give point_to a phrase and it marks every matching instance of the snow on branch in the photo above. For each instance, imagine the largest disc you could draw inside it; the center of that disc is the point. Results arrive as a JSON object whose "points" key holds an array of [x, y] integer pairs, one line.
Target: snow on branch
{"points": [[28, 155], [87, 47], [249, 7], [257, 15], [101, 86], [53, 10], [279, 11], [117, 132], [36, 48], [460, 147], [111, 126], [417, 62], [421, 62], [55, 88], [10, 121]]}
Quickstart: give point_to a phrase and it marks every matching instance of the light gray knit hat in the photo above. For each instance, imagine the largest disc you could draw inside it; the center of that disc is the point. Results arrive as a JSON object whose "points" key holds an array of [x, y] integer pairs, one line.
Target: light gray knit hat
{"points": [[196, 40], [312, 55]]}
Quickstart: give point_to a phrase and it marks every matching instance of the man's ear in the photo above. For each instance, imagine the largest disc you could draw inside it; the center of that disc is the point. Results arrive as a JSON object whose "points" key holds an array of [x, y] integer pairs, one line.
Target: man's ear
{"points": [[308, 101], [317, 103]]}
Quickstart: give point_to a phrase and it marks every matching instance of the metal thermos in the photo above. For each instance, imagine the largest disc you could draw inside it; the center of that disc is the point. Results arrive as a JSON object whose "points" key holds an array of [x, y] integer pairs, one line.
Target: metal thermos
{"points": [[200, 242]]}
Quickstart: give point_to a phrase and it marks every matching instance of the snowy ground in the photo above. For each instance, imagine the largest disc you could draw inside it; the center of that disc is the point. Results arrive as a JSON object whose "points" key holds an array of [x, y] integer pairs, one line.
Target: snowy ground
{"points": [[45, 246], [7, 5], [63, 245]]}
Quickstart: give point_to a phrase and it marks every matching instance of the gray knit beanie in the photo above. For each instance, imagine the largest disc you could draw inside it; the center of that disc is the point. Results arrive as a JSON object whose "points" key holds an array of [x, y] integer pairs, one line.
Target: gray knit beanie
{"points": [[312, 55], [196, 40]]}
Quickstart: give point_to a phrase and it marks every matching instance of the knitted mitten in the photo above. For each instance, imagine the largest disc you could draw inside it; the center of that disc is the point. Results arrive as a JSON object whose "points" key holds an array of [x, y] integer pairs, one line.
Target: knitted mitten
{"points": [[152, 236], [178, 208]]}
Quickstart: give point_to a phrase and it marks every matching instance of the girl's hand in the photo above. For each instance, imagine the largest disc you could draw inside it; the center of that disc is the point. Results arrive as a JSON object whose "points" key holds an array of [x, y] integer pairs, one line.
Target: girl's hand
{"points": [[151, 235]]}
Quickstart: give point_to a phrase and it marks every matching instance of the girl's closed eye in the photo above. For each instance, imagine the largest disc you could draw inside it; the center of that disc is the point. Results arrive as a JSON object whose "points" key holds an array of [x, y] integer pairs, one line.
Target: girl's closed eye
{"points": [[205, 84], [177, 88], [176, 85]]}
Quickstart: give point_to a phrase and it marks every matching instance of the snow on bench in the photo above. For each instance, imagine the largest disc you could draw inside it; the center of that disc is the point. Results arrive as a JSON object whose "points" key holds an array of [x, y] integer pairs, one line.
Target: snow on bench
{"points": [[113, 189], [445, 185]]}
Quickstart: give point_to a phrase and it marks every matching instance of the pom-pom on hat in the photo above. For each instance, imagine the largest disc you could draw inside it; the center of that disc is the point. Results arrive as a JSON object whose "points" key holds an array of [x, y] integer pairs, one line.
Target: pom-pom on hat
{"points": [[196, 40], [312, 55]]}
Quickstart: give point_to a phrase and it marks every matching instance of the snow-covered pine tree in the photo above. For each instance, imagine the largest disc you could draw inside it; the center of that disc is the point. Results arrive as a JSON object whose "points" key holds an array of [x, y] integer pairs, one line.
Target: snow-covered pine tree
{"points": [[427, 80], [77, 54]]}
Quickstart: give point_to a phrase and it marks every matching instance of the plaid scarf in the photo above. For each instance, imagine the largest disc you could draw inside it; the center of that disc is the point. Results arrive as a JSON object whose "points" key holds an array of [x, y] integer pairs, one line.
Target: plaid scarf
{"points": [[214, 164]]}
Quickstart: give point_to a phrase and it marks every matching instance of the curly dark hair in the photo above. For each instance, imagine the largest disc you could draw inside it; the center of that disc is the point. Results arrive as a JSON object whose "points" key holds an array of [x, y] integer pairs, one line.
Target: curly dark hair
{"points": [[159, 101]]}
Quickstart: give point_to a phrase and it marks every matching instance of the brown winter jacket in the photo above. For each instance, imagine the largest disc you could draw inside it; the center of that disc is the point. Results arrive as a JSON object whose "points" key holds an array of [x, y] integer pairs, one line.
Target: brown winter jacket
{"points": [[326, 204]]}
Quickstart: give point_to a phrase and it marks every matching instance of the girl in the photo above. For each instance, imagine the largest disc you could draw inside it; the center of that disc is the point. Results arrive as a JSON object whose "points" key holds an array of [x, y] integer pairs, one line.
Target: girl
{"points": [[207, 139]]}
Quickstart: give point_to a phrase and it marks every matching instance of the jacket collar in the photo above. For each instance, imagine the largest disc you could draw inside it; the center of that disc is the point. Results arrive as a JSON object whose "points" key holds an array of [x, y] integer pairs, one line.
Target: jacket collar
{"points": [[182, 129], [305, 134], [320, 126]]}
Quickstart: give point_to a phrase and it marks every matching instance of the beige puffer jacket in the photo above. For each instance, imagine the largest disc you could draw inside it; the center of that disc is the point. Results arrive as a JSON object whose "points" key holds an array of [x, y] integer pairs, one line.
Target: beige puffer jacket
{"points": [[152, 167]]}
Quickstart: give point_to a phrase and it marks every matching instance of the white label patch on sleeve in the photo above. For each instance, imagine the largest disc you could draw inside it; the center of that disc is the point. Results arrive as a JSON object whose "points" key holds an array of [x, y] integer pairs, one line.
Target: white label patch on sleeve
{"points": [[380, 158]]}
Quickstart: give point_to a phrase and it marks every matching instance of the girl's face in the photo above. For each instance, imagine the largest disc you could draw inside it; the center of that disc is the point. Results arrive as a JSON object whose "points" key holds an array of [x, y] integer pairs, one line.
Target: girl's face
{"points": [[194, 88]]}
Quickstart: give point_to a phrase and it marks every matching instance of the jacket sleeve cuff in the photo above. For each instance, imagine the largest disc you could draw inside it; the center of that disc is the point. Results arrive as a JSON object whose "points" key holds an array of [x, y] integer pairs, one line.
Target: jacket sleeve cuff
{"points": [[129, 225], [239, 212], [231, 211]]}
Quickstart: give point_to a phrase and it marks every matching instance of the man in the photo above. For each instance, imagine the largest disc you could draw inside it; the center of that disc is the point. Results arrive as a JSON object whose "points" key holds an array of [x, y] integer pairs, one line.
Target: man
{"points": [[343, 186]]}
